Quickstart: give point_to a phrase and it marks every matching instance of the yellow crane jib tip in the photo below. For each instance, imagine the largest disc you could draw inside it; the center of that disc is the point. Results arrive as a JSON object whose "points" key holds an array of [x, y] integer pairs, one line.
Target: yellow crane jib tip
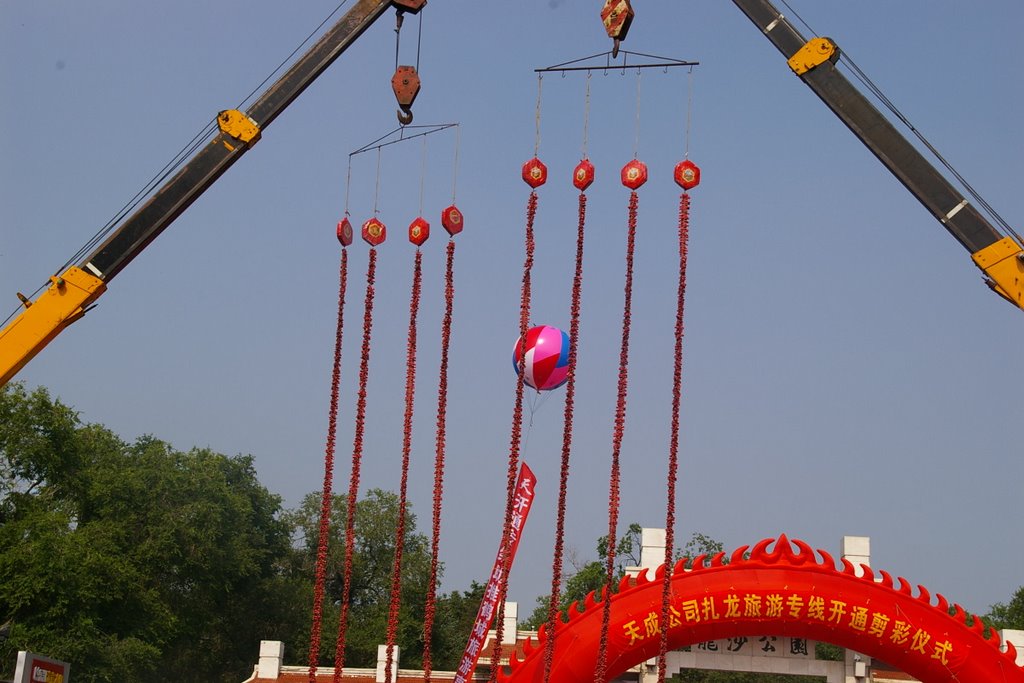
{"points": [[1003, 265]]}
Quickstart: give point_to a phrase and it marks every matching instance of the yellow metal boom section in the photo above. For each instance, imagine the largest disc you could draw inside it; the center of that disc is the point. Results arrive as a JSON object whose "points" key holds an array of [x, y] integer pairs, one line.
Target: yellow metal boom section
{"points": [[64, 302], [1003, 263]]}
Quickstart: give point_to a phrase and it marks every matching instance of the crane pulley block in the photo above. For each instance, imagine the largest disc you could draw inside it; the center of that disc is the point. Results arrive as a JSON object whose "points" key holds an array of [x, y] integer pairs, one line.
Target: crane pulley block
{"points": [[406, 84], [410, 6], [617, 16]]}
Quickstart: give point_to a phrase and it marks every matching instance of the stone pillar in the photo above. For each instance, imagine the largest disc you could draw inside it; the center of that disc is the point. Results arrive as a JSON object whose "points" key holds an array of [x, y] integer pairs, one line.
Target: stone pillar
{"points": [[508, 633], [857, 549], [652, 549], [1015, 637], [271, 658], [382, 663]]}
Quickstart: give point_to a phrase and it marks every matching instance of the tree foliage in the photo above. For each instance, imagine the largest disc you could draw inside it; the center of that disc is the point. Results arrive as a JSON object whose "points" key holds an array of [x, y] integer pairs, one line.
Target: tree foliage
{"points": [[131, 560], [1008, 615], [372, 565], [137, 561], [591, 576]]}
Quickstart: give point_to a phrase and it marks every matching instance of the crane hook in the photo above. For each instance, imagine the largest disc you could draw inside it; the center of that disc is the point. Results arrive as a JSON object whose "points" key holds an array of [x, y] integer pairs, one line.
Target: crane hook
{"points": [[405, 115]]}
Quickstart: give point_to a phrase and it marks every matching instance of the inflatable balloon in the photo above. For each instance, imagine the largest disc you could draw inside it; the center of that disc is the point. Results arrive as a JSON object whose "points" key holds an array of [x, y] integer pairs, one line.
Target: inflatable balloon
{"points": [[544, 357]]}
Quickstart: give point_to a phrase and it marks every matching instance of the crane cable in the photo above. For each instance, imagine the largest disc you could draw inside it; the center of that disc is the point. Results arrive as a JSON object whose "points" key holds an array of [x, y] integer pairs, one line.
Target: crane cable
{"points": [[430, 608], [567, 422], [677, 381], [877, 92], [859, 75], [187, 152]]}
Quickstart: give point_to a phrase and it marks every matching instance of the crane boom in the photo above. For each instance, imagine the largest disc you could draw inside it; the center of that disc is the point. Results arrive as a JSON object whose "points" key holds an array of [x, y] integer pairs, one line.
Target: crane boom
{"points": [[1001, 258], [72, 292]]}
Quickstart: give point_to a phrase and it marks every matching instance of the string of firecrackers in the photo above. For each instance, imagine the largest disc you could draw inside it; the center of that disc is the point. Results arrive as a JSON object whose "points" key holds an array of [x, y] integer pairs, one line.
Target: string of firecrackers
{"points": [[442, 408], [582, 178], [633, 176], [410, 393], [536, 177], [687, 175], [357, 445], [764, 590], [327, 496], [374, 232]]}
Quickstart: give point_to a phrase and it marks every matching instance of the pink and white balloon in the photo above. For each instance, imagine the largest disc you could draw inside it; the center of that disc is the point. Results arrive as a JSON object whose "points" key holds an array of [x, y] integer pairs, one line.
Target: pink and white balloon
{"points": [[543, 358]]}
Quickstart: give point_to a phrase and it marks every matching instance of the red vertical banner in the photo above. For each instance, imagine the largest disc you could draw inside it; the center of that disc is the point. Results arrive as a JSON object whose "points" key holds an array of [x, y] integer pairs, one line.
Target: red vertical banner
{"points": [[525, 487]]}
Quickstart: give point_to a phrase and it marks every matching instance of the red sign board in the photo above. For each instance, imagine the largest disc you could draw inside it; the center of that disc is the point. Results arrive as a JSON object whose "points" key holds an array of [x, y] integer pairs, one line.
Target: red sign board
{"points": [[33, 668], [524, 493]]}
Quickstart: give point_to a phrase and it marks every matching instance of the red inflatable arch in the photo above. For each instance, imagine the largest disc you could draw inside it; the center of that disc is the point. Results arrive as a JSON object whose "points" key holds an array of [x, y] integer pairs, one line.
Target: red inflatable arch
{"points": [[782, 593]]}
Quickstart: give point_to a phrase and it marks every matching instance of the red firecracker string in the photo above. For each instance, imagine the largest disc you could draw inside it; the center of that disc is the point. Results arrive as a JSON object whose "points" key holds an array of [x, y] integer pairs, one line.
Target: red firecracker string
{"points": [[517, 431], [357, 452], [563, 484], [620, 426], [673, 446], [326, 499], [410, 394], [442, 411]]}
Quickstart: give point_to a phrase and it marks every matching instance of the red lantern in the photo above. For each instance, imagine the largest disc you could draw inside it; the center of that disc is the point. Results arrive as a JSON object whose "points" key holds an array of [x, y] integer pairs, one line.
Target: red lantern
{"points": [[374, 232], [419, 231], [535, 173], [583, 176], [344, 232], [451, 220], [634, 174], [687, 174]]}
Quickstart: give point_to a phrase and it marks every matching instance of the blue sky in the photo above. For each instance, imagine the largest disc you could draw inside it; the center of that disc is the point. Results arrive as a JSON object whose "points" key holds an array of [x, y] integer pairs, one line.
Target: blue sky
{"points": [[846, 372]]}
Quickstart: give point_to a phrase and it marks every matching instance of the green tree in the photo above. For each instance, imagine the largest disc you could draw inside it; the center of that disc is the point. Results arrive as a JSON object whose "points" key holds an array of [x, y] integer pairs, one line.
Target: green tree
{"points": [[590, 577], [132, 561], [456, 614], [1008, 615], [372, 562]]}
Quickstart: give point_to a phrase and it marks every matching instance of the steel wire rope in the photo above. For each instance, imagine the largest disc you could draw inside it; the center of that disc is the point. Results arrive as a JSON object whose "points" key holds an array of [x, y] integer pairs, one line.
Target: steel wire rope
{"points": [[124, 211], [189, 149], [622, 390], [568, 413], [186, 152], [882, 98], [430, 606], [515, 438], [859, 74], [677, 375]]}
